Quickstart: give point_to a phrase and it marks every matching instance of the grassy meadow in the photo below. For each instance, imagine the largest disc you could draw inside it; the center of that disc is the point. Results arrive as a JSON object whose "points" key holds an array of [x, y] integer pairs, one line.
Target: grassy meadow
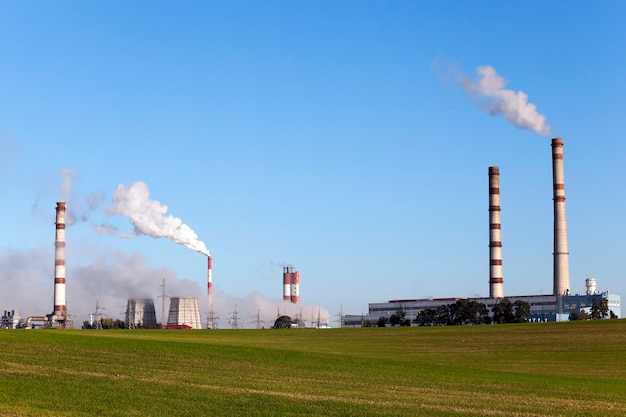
{"points": [[549, 369]]}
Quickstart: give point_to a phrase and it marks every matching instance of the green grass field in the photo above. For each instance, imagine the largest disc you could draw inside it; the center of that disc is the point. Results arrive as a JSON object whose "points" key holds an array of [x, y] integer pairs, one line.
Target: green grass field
{"points": [[558, 369]]}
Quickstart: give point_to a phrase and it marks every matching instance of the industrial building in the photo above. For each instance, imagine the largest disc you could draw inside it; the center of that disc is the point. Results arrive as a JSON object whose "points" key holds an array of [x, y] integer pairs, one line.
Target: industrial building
{"points": [[552, 307], [544, 308], [10, 320]]}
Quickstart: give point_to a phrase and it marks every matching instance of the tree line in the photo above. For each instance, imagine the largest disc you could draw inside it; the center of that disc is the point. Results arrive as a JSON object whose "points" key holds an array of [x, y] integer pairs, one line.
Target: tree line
{"points": [[462, 312], [598, 311]]}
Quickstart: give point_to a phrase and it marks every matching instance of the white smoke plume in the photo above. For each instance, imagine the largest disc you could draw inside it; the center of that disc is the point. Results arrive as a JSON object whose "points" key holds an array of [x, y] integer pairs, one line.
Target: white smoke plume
{"points": [[488, 92], [149, 217]]}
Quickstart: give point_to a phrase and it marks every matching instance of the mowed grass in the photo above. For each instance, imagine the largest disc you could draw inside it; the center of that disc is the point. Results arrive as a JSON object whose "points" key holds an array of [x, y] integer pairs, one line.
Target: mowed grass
{"points": [[557, 369]]}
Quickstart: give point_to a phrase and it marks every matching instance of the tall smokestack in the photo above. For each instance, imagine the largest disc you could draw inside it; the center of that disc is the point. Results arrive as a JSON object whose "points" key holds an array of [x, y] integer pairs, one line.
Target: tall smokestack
{"points": [[561, 254], [209, 279], [60, 309], [287, 283], [496, 286]]}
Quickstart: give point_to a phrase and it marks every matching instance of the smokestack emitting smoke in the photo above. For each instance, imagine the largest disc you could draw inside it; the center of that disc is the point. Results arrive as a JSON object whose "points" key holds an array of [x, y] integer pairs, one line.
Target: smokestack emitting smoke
{"points": [[488, 93], [561, 254], [496, 287], [60, 308], [148, 217]]}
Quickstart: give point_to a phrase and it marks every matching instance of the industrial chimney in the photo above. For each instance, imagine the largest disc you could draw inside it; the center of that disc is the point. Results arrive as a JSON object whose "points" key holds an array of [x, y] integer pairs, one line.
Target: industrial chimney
{"points": [[287, 283], [209, 279], [295, 287], [561, 254], [59, 314], [291, 284], [496, 286]]}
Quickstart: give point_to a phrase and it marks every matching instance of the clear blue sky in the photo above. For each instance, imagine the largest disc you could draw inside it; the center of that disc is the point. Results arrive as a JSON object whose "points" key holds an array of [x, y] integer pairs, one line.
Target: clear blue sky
{"points": [[322, 134]]}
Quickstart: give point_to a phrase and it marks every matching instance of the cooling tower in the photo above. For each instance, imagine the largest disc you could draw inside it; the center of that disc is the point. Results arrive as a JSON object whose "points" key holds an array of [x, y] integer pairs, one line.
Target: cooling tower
{"points": [[140, 313], [561, 254], [184, 311], [496, 286]]}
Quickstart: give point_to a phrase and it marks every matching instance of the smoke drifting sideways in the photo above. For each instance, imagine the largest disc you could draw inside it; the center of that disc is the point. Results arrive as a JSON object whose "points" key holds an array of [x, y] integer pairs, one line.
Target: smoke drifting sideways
{"points": [[112, 277], [108, 279], [488, 92], [149, 218]]}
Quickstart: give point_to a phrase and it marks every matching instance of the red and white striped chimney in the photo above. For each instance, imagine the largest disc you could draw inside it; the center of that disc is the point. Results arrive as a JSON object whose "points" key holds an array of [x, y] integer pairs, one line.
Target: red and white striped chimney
{"points": [[60, 308], [295, 287], [287, 283], [209, 279], [561, 254], [496, 286]]}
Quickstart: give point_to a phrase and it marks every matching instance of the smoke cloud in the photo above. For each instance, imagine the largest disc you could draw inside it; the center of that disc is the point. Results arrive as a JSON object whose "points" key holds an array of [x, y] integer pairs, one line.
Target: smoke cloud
{"points": [[488, 92], [110, 279], [149, 217], [113, 277], [75, 212]]}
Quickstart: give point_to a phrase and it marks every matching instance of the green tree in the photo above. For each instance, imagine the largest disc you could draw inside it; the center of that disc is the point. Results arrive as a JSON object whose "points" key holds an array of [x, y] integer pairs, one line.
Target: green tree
{"points": [[599, 310], [399, 319], [382, 321], [503, 312], [522, 311], [282, 322]]}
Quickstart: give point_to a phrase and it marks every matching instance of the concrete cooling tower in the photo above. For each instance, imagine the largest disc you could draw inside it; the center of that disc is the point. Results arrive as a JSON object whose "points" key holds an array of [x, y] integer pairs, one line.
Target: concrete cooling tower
{"points": [[140, 313], [184, 311]]}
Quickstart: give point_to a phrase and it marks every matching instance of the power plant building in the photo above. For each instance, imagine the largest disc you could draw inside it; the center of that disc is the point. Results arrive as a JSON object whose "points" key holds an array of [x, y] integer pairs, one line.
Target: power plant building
{"points": [[10, 320], [544, 308]]}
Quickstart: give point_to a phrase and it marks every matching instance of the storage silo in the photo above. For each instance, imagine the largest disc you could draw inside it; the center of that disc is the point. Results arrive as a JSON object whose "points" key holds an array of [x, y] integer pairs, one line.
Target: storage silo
{"points": [[184, 311], [140, 313]]}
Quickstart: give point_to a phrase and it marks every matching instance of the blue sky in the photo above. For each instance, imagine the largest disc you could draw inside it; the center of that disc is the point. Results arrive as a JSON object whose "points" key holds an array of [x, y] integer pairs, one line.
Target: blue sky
{"points": [[326, 135]]}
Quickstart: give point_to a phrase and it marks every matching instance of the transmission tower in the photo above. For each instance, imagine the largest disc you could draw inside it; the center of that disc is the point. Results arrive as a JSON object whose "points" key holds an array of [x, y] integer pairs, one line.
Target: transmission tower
{"points": [[163, 296], [233, 320], [212, 319], [98, 316], [257, 319]]}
